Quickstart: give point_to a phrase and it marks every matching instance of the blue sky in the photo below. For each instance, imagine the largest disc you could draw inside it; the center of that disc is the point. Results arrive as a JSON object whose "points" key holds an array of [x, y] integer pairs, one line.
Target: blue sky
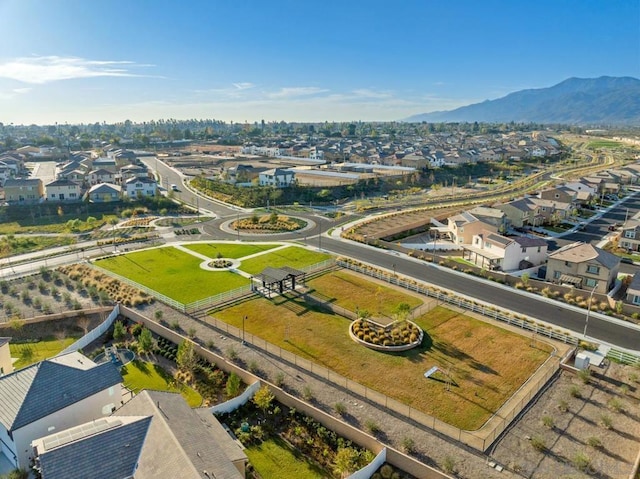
{"points": [[85, 61]]}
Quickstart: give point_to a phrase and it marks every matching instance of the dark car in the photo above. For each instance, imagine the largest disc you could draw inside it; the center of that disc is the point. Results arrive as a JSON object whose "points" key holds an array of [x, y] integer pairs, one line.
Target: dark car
{"points": [[626, 260]]}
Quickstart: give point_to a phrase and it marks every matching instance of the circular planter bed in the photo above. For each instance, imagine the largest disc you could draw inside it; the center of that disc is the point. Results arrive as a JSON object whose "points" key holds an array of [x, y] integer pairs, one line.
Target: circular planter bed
{"points": [[397, 336], [267, 224], [221, 263]]}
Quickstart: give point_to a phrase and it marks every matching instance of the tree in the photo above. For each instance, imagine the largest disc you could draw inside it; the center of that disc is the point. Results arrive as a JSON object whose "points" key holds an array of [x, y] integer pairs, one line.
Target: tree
{"points": [[263, 398], [346, 461], [145, 341], [233, 385], [186, 358], [118, 330]]}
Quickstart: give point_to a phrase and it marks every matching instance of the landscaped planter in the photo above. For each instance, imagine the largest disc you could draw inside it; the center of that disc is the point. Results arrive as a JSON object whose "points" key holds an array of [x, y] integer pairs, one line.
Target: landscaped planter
{"points": [[395, 337]]}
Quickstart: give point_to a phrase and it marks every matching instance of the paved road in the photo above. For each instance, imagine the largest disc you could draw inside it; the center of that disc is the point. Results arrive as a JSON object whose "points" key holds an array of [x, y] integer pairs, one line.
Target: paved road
{"points": [[548, 311]]}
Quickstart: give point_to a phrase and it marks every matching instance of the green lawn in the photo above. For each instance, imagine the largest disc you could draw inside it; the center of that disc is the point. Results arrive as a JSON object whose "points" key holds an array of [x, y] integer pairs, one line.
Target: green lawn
{"points": [[273, 459], [603, 144], [139, 375], [45, 349], [172, 272], [228, 250], [291, 256]]}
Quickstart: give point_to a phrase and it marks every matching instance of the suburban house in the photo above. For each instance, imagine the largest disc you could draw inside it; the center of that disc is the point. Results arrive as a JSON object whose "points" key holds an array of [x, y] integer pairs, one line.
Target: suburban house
{"points": [[492, 216], [551, 211], [53, 395], [105, 163], [496, 252], [62, 190], [633, 290], [6, 366], [23, 190], [581, 187], [137, 187], [464, 226], [106, 448], [521, 213], [630, 236], [132, 171], [101, 175], [562, 194], [103, 193], [155, 434], [584, 266], [278, 177]]}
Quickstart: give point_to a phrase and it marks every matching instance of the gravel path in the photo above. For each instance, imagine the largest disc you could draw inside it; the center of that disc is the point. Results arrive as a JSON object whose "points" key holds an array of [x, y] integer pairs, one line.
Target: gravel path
{"points": [[430, 447]]}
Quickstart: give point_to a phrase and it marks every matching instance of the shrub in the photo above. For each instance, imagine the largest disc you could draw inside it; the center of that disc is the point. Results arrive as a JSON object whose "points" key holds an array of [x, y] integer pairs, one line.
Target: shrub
{"points": [[575, 391], [606, 421], [279, 379], [563, 406], [408, 445], [232, 353], [615, 405], [539, 443], [372, 426], [582, 462], [253, 366], [307, 393], [548, 422], [340, 408], [210, 344], [158, 315], [448, 464], [594, 442], [192, 332], [584, 375], [175, 324]]}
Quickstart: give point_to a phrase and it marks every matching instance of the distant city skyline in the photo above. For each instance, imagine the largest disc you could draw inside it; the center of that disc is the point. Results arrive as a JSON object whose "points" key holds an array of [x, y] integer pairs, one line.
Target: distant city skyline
{"points": [[76, 61]]}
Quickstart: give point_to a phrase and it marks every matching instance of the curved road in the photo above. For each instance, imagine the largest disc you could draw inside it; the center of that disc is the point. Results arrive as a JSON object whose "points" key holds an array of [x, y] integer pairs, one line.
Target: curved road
{"points": [[548, 311]]}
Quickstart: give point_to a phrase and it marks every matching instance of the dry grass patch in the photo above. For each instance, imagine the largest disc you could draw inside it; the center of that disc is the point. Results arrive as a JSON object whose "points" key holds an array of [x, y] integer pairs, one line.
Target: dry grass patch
{"points": [[487, 363], [353, 292]]}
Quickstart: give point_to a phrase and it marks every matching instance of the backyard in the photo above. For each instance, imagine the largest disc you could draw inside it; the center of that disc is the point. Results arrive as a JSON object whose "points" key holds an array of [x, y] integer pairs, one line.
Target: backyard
{"points": [[486, 363], [33, 352]]}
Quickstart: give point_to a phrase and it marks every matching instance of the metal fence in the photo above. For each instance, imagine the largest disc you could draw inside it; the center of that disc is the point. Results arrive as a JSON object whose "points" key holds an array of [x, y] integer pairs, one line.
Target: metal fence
{"points": [[474, 306]]}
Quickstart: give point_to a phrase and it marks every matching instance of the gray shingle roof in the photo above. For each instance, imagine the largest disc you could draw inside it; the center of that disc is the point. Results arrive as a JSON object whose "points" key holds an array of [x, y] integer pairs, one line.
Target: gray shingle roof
{"points": [[42, 389], [180, 443], [111, 453]]}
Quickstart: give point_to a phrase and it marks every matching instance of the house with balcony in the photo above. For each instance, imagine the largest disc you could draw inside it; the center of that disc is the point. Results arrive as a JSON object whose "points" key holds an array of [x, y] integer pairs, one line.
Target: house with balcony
{"points": [[493, 251], [583, 266], [53, 395], [63, 190]]}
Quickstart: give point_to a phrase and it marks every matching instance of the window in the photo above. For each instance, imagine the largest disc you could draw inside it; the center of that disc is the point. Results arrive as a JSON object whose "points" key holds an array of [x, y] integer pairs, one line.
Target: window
{"points": [[636, 299], [524, 250], [593, 269], [538, 249], [556, 274], [630, 234], [590, 282]]}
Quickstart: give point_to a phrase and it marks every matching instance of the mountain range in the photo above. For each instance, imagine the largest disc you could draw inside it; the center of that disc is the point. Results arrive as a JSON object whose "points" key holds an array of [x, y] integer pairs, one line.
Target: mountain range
{"points": [[579, 101]]}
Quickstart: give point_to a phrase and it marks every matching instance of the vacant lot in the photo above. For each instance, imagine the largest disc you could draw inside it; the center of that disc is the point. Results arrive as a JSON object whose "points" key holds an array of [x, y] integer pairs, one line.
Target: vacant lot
{"points": [[172, 272], [578, 430], [486, 363]]}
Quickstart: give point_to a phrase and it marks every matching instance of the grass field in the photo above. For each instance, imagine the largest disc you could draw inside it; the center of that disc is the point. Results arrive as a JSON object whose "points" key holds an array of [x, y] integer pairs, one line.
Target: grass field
{"points": [[45, 349], [486, 363], [229, 250], [291, 256], [273, 459], [603, 144], [172, 272], [353, 292], [139, 375]]}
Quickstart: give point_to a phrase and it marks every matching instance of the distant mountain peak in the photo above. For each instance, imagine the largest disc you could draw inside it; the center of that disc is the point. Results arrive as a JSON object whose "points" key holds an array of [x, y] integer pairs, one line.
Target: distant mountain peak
{"points": [[586, 101]]}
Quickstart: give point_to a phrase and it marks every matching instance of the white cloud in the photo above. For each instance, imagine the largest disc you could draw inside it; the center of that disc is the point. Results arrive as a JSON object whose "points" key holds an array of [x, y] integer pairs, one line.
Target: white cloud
{"points": [[293, 92], [368, 93], [243, 85], [45, 69], [21, 91]]}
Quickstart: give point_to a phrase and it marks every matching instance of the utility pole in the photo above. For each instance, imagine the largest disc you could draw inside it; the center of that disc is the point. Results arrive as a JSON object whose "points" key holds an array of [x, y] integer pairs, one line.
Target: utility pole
{"points": [[586, 322]]}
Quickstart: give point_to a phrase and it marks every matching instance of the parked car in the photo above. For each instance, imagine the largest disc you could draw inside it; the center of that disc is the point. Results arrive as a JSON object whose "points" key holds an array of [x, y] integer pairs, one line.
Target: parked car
{"points": [[626, 260]]}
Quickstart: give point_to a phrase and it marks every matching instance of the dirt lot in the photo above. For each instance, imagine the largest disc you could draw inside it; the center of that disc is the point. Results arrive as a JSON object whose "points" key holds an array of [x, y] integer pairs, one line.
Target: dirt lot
{"points": [[571, 433]]}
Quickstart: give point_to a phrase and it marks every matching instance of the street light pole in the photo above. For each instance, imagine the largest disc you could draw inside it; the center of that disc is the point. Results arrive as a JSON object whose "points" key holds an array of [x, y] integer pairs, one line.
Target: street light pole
{"points": [[243, 320], [238, 225], [586, 322]]}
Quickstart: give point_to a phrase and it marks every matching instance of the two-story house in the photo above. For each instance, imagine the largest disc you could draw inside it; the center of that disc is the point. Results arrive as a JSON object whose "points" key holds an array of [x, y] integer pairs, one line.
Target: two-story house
{"points": [[584, 266], [23, 190], [277, 177], [521, 213], [496, 252], [154, 435], [101, 175], [53, 395], [136, 187], [103, 193], [464, 226], [630, 236], [63, 190]]}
